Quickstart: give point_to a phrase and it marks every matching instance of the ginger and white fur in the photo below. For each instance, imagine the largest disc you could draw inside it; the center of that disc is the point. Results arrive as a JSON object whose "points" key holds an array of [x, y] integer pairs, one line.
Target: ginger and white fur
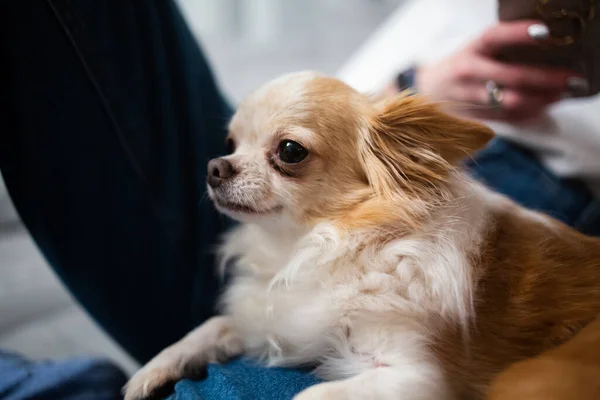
{"points": [[376, 259]]}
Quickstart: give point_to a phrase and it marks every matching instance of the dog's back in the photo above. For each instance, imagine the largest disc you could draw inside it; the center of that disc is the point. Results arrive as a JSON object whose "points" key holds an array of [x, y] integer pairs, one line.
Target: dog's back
{"points": [[538, 286]]}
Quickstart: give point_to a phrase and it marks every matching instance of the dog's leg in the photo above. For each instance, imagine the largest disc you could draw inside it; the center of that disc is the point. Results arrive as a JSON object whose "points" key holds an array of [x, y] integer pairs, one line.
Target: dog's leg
{"points": [[214, 341], [398, 383]]}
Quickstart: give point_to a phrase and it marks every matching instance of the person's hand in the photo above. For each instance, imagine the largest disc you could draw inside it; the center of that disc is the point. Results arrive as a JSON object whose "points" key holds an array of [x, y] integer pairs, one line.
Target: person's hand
{"points": [[467, 77]]}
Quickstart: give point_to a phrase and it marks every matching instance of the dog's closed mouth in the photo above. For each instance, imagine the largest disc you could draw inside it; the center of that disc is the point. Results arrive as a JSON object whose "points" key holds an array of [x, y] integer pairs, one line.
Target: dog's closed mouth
{"points": [[241, 208]]}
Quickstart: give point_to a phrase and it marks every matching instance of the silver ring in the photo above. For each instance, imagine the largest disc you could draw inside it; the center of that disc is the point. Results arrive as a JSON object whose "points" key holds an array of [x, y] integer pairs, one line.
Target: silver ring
{"points": [[495, 94]]}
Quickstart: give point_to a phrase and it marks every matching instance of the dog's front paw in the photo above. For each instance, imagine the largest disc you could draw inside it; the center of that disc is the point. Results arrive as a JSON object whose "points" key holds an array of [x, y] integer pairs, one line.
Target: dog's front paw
{"points": [[324, 391], [150, 381], [214, 341]]}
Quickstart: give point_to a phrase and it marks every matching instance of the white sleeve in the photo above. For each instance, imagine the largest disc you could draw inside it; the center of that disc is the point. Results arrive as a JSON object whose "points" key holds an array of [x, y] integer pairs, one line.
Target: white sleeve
{"points": [[418, 31]]}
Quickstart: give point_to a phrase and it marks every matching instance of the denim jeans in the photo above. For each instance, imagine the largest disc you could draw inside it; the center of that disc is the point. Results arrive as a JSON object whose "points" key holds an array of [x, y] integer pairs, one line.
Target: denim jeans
{"points": [[110, 115], [73, 379]]}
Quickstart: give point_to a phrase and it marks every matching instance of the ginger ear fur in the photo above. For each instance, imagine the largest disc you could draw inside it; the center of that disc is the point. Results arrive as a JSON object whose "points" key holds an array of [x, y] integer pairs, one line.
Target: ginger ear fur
{"points": [[411, 145]]}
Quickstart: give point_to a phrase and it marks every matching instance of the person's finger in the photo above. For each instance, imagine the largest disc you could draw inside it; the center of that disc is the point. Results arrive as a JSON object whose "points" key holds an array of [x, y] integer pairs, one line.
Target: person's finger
{"points": [[507, 116], [513, 102], [510, 34], [541, 79], [525, 104]]}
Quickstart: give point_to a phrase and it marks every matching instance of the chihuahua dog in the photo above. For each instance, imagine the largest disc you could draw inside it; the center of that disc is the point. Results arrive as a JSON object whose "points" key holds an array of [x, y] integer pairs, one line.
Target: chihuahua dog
{"points": [[364, 249]]}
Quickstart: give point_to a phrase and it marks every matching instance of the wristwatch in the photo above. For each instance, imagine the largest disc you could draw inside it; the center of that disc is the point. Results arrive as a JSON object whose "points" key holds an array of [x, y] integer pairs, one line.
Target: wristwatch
{"points": [[406, 80]]}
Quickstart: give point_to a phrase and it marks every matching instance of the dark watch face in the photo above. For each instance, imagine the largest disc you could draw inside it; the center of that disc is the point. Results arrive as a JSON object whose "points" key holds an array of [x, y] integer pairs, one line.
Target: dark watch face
{"points": [[406, 80]]}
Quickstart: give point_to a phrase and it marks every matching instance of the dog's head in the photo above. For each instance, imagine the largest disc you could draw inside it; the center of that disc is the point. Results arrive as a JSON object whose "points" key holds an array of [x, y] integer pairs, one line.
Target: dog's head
{"points": [[308, 147]]}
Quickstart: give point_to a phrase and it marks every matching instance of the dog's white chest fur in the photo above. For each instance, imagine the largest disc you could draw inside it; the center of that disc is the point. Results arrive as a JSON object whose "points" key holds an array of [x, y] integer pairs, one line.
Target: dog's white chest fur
{"points": [[305, 301], [280, 326]]}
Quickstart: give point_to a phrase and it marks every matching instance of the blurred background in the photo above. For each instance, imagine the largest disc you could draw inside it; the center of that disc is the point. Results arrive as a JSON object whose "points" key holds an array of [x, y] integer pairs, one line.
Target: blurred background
{"points": [[248, 43]]}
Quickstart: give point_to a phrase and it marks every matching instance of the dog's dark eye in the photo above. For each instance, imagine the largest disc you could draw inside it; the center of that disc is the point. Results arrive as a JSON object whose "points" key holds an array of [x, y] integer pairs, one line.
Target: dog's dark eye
{"points": [[230, 145], [291, 152]]}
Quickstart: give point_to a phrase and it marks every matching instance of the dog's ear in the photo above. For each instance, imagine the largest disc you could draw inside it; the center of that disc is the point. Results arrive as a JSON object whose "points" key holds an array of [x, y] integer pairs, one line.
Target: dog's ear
{"points": [[412, 145]]}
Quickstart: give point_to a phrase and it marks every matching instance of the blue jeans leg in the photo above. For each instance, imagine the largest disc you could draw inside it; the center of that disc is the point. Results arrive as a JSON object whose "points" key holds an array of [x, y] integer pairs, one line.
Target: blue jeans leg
{"points": [[75, 379], [244, 380]]}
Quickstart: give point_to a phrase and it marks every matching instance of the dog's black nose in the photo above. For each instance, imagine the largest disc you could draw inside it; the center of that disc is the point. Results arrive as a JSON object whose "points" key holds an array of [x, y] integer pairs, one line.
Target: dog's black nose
{"points": [[219, 170]]}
